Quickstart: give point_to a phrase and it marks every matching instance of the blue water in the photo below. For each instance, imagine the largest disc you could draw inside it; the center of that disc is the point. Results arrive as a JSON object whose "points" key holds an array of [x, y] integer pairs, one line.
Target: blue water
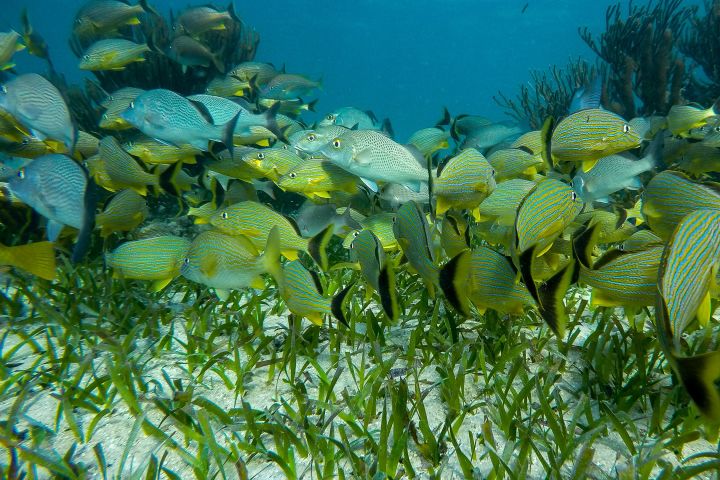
{"points": [[403, 59]]}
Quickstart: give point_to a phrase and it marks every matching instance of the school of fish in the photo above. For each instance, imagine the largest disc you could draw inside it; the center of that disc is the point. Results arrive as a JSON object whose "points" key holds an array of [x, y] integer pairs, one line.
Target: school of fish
{"points": [[487, 215]]}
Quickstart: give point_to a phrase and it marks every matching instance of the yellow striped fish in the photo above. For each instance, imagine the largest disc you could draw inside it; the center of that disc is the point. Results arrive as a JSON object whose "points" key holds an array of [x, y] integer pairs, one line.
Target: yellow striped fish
{"points": [[381, 224], [682, 118], [430, 140], [530, 140], [454, 234], [502, 204], [36, 258], [367, 251], [112, 54], [301, 293], [515, 163], [123, 169], [587, 136], [669, 196], [464, 182], [316, 178], [125, 211], [156, 259], [488, 280], [255, 221], [272, 163], [115, 104], [153, 152], [230, 262], [9, 44], [686, 278], [641, 240], [413, 235]]}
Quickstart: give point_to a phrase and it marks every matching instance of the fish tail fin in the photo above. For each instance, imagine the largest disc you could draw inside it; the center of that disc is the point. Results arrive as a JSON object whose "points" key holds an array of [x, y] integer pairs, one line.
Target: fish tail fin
{"points": [[653, 155], [228, 133], [233, 13], [37, 258], [336, 305], [551, 295], [388, 128], [311, 105], [167, 179], [84, 239], [445, 120], [583, 243], [271, 257], [386, 290], [317, 247], [218, 63], [454, 282], [698, 375], [271, 121], [545, 137]]}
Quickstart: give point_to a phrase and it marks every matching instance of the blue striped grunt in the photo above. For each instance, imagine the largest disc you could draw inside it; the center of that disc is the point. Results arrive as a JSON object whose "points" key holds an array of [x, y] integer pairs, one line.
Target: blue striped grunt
{"points": [[125, 211], [156, 259], [301, 293], [413, 235], [317, 179], [36, 258], [272, 163], [377, 270], [502, 204], [112, 54], [123, 170], [430, 140], [464, 182], [515, 163]]}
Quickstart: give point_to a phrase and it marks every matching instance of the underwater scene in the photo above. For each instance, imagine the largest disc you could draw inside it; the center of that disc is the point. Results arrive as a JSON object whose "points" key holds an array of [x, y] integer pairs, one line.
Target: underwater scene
{"points": [[359, 240]]}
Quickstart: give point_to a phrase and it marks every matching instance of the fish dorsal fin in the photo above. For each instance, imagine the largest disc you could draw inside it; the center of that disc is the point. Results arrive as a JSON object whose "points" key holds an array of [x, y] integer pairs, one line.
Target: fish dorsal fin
{"points": [[525, 149], [609, 256], [316, 281], [203, 110]]}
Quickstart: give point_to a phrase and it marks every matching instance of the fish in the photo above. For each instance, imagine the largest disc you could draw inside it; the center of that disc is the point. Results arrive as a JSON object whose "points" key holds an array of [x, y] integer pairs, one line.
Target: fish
{"points": [[613, 227], [374, 157], [381, 224], [529, 141], [586, 136], [123, 170], [56, 187], [671, 195], [189, 52], [115, 104], [170, 118], [195, 21], [640, 240], [430, 140], [618, 278], [233, 166], [543, 214], [464, 125], [312, 141], [86, 145], [464, 182], [253, 73], [503, 202], [273, 163], [9, 44], [587, 96], [486, 136], [112, 54], [687, 279], [351, 117], [38, 105], [153, 152], [231, 262], [515, 163], [317, 179], [288, 86], [156, 259], [312, 219], [412, 232], [614, 173], [683, 118], [223, 110], [125, 211], [226, 86], [486, 279], [294, 107], [36, 45], [99, 17], [301, 293], [394, 195], [36, 258], [255, 220], [367, 250]]}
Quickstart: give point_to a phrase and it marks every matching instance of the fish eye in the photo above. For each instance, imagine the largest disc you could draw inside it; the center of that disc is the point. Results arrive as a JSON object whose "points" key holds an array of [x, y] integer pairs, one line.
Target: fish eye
{"points": [[86, 57], [331, 117], [357, 234], [352, 245], [224, 215], [336, 143], [717, 129], [105, 116], [292, 175], [492, 172], [186, 260], [626, 128], [311, 137], [394, 218], [132, 104], [21, 174], [573, 195], [260, 156], [4, 89], [621, 247]]}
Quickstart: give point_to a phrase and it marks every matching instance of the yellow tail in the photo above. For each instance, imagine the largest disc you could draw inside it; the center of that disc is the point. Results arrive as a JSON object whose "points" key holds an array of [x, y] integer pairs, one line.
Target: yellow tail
{"points": [[36, 258]]}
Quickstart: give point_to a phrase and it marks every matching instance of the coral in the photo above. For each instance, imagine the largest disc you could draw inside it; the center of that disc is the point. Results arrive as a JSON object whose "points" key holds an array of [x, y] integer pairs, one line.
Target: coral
{"points": [[701, 44], [641, 52], [548, 93]]}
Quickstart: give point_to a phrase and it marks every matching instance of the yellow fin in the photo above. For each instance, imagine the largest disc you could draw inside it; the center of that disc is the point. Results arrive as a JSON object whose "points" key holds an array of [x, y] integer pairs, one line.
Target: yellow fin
{"points": [[599, 299], [263, 143], [703, 312], [321, 194], [219, 27], [258, 283], [36, 258], [476, 214], [133, 21], [290, 254], [588, 165], [158, 285], [315, 318], [209, 265], [544, 250], [441, 206]]}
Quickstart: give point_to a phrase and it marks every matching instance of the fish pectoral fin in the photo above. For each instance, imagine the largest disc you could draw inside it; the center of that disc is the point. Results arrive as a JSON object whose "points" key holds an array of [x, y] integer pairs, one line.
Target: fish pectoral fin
{"points": [[598, 298], [321, 194], [363, 157], [209, 265], [53, 230], [158, 285], [133, 21], [588, 165], [263, 142], [222, 294], [441, 205], [258, 283], [290, 254], [370, 184]]}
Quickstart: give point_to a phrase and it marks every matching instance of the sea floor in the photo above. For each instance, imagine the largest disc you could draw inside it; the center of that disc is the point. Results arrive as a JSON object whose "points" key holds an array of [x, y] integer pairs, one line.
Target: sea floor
{"points": [[205, 389]]}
